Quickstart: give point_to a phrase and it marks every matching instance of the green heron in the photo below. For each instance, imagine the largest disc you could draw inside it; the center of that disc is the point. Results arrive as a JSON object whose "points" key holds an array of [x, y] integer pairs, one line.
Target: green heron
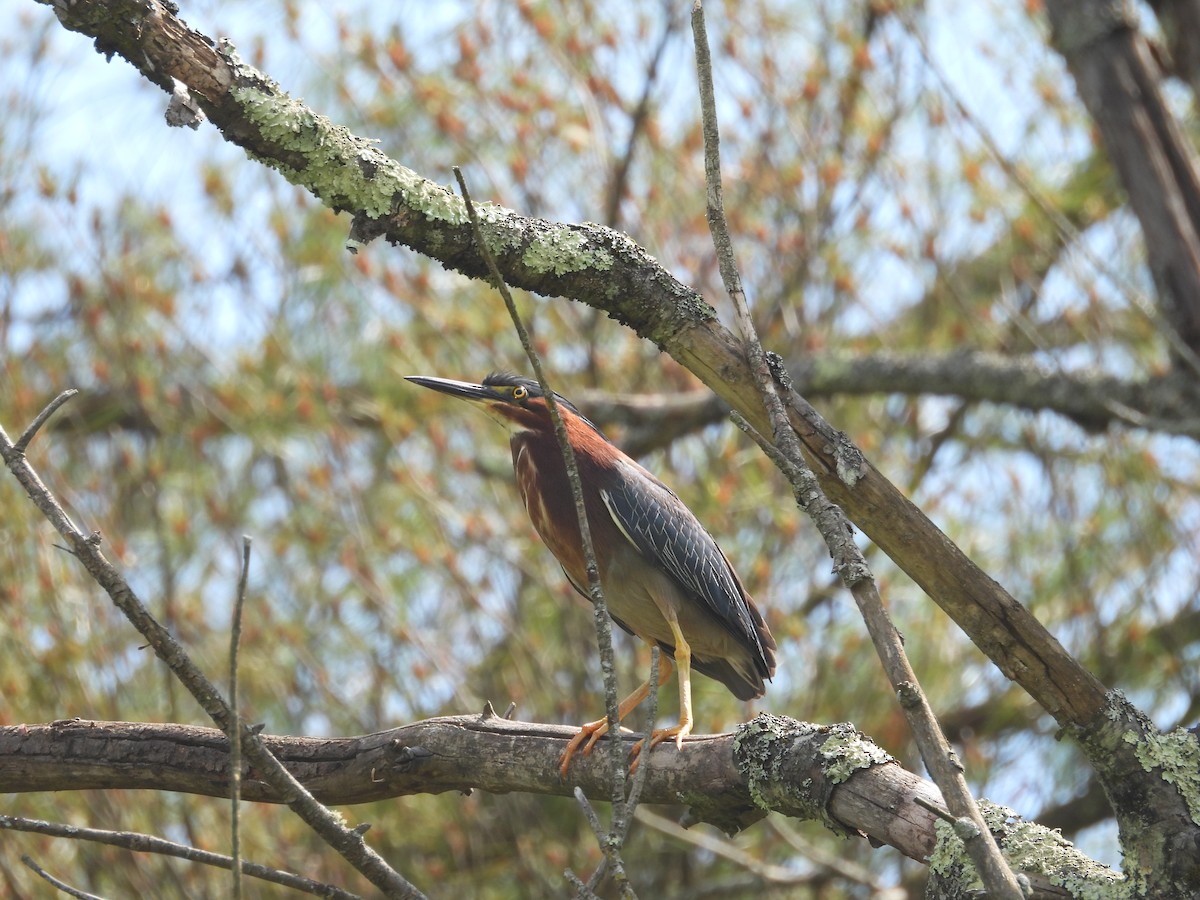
{"points": [[664, 578]]}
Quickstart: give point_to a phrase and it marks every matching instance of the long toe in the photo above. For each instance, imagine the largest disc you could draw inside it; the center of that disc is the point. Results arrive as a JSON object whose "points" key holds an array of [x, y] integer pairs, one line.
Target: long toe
{"points": [[589, 732], [679, 732]]}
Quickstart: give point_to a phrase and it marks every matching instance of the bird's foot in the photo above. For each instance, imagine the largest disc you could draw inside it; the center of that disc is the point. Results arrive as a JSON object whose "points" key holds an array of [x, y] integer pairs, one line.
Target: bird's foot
{"points": [[679, 732], [589, 732]]}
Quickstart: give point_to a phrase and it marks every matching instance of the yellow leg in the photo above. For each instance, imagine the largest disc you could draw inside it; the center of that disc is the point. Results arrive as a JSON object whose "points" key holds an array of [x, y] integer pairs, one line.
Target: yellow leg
{"points": [[683, 659], [593, 731]]}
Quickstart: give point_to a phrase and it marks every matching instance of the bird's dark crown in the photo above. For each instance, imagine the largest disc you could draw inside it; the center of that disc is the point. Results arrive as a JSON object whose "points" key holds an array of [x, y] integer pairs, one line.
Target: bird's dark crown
{"points": [[506, 383]]}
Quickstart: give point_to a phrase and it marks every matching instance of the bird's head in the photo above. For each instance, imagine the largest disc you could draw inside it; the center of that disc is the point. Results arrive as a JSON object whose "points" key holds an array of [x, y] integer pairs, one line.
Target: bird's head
{"points": [[514, 401]]}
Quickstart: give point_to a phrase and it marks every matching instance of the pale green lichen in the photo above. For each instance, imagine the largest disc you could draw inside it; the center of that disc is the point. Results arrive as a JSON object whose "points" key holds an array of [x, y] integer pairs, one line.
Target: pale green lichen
{"points": [[950, 856], [330, 161], [754, 753], [771, 750], [561, 252], [846, 751], [1177, 755], [1029, 848]]}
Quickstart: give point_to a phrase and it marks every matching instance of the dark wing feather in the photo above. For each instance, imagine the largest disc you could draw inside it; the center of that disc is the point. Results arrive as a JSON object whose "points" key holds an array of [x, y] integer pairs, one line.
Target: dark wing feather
{"points": [[665, 532]]}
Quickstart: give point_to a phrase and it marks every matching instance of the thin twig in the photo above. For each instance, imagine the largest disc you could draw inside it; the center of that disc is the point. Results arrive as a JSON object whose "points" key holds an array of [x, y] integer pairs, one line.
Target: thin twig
{"points": [[235, 745], [28, 433], [589, 813], [61, 885], [146, 843], [639, 777], [934, 808], [86, 548], [637, 121], [935, 750], [582, 891], [612, 862], [784, 435], [822, 854], [775, 875], [635, 793], [603, 624], [611, 845]]}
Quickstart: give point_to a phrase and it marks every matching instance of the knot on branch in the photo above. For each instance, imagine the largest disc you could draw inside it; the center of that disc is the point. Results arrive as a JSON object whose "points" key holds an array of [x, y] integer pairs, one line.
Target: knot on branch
{"points": [[404, 759]]}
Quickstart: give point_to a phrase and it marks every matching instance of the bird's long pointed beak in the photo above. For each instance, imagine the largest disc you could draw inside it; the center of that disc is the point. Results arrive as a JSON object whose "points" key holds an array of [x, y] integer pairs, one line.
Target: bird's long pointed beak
{"points": [[464, 390]]}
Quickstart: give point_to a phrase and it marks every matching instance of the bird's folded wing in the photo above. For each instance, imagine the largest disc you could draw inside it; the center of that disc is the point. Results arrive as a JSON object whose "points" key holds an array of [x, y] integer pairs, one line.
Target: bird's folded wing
{"points": [[666, 533]]}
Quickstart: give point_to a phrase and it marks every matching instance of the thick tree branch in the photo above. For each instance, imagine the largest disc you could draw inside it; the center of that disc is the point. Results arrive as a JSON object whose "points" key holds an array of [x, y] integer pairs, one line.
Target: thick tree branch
{"points": [[830, 774]]}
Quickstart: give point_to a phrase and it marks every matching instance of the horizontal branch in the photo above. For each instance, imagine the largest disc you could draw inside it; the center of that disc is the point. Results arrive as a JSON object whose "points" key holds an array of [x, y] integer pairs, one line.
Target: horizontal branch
{"points": [[829, 774], [1092, 399], [453, 753], [1168, 404]]}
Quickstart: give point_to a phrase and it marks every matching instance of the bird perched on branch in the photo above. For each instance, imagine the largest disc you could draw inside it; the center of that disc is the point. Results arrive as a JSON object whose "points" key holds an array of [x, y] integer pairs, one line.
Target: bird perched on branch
{"points": [[663, 576]]}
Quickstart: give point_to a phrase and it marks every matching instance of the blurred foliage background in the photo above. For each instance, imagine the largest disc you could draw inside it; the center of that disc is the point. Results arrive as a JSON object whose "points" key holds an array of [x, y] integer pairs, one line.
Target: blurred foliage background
{"points": [[888, 170]]}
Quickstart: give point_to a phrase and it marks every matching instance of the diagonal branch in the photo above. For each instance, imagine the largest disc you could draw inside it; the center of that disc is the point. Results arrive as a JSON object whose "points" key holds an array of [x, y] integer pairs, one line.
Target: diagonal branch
{"points": [[1119, 82], [86, 548], [147, 843], [610, 846], [61, 885]]}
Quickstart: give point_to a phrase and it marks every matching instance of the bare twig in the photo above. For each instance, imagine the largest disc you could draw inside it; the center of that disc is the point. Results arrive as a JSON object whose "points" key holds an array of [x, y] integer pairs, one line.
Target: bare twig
{"points": [[639, 777], [934, 808], [235, 746], [582, 891], [638, 119], [612, 844], [589, 813], [621, 829], [28, 433], [774, 874], [61, 885], [785, 435], [611, 864], [86, 548], [835, 528], [821, 854], [146, 843]]}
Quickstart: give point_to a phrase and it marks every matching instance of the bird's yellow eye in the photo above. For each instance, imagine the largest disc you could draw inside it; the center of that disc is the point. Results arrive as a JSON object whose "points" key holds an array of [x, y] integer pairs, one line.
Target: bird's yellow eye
{"points": [[520, 392]]}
